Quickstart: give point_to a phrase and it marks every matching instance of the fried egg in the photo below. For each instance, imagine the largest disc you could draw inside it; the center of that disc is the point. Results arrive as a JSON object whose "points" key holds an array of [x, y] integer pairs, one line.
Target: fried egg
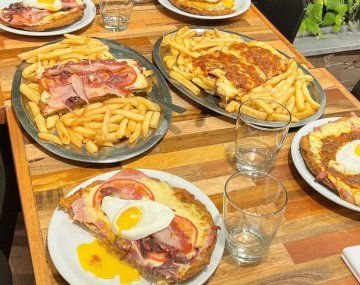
{"points": [[347, 159], [51, 5], [136, 219]]}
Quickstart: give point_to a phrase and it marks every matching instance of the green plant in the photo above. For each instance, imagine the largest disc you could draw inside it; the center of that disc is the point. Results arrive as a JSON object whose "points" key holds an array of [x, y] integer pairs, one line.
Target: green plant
{"points": [[325, 13]]}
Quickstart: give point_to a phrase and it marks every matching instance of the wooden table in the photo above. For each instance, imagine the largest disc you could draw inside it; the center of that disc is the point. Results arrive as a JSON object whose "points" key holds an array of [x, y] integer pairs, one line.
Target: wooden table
{"points": [[199, 147]]}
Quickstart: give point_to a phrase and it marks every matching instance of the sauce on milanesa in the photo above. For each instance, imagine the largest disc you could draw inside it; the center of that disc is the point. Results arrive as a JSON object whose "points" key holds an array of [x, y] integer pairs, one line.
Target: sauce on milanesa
{"points": [[250, 67], [330, 145]]}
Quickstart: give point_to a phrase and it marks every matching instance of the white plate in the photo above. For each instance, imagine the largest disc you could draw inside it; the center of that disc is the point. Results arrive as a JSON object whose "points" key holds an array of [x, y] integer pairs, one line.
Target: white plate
{"points": [[304, 171], [240, 7], [89, 15], [64, 236]]}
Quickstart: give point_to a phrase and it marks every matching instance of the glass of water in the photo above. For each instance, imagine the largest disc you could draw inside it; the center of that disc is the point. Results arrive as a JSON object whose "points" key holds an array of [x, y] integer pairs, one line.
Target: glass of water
{"points": [[258, 141], [253, 210], [116, 14]]}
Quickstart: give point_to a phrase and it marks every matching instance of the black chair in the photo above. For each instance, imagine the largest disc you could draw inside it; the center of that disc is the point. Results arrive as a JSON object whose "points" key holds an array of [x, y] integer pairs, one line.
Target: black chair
{"points": [[285, 15], [9, 205], [9, 195], [356, 90]]}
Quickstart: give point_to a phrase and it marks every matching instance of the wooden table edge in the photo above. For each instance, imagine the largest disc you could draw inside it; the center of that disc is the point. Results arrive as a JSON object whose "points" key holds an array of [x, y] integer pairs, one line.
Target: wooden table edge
{"points": [[281, 36], [27, 198]]}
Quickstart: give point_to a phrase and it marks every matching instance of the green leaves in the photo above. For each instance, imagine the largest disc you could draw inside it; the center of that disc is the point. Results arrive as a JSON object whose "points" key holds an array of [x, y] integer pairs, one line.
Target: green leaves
{"points": [[324, 13], [329, 19]]}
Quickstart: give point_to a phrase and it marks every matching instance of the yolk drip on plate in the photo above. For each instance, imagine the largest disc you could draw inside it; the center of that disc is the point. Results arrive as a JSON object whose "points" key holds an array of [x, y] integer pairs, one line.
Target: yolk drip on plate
{"points": [[96, 259]]}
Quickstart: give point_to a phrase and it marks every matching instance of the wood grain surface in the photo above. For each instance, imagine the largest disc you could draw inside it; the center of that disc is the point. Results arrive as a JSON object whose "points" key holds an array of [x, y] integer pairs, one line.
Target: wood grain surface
{"points": [[199, 147]]}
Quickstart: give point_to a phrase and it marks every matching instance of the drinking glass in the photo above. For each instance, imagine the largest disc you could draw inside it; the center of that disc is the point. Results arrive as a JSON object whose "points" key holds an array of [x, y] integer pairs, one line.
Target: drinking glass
{"points": [[258, 141], [116, 14], [254, 206]]}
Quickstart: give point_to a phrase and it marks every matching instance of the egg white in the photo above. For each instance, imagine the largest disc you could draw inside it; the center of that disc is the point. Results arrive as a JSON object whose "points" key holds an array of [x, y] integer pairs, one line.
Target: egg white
{"points": [[155, 216], [55, 6], [346, 160]]}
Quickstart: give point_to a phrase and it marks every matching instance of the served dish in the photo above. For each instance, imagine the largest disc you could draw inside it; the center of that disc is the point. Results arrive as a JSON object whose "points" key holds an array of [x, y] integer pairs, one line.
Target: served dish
{"points": [[83, 95], [63, 246], [239, 6], [45, 18], [305, 172], [204, 60], [332, 153]]}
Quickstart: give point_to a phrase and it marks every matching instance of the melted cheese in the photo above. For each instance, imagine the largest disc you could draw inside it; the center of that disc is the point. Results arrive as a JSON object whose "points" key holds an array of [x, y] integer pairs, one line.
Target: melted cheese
{"points": [[164, 194], [330, 129], [209, 6]]}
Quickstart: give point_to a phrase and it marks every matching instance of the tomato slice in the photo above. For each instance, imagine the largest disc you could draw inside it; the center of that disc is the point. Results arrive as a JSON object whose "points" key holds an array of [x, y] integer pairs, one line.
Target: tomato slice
{"points": [[157, 256], [126, 189], [188, 228], [125, 76]]}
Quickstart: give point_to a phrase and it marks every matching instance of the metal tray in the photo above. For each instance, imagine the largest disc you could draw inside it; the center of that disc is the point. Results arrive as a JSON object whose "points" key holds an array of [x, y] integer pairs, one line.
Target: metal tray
{"points": [[119, 152], [212, 102]]}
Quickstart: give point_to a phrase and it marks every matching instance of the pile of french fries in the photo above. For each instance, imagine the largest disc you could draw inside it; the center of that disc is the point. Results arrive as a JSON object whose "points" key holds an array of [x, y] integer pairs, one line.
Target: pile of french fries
{"points": [[72, 48], [289, 89], [100, 124]]}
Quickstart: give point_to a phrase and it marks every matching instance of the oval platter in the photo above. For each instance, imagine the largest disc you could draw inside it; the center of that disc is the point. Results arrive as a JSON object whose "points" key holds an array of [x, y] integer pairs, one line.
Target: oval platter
{"points": [[119, 152], [212, 102]]}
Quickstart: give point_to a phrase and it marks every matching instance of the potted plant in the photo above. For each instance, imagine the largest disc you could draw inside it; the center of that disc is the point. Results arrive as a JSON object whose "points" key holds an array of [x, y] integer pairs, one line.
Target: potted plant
{"points": [[323, 16]]}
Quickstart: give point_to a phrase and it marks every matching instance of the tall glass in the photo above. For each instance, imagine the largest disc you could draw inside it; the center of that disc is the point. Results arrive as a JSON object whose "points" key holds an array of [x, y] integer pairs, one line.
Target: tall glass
{"points": [[116, 14], [258, 141], [253, 210]]}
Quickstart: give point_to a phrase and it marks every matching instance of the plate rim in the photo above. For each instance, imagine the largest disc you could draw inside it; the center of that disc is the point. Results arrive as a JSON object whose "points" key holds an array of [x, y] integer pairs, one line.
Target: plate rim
{"points": [[90, 6], [167, 177], [168, 5], [60, 151], [303, 170], [160, 64]]}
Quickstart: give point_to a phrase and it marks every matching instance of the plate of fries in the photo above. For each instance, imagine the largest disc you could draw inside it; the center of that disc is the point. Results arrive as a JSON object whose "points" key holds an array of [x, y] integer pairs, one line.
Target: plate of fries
{"points": [[109, 131], [175, 54]]}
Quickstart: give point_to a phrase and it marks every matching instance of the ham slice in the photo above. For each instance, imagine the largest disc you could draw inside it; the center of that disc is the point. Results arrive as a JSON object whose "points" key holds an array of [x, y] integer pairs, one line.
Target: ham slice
{"points": [[18, 14], [131, 174], [72, 83], [173, 238]]}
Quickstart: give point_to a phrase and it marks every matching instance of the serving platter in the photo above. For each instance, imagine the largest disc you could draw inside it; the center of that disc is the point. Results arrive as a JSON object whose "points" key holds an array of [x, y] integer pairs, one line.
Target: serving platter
{"points": [[120, 151], [241, 6], [89, 15], [62, 243], [306, 173], [212, 102]]}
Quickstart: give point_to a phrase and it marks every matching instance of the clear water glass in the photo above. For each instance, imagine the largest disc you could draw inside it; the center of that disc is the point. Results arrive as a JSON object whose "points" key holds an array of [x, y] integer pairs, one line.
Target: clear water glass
{"points": [[259, 141], [254, 206], [116, 14]]}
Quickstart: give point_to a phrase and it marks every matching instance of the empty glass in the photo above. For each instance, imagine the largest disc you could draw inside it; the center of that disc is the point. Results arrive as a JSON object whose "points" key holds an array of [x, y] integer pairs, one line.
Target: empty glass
{"points": [[258, 141], [253, 210], [116, 14]]}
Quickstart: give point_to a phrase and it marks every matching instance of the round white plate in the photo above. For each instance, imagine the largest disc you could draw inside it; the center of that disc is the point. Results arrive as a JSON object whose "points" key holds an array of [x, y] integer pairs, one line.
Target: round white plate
{"points": [[89, 15], [240, 7], [64, 236], [304, 171]]}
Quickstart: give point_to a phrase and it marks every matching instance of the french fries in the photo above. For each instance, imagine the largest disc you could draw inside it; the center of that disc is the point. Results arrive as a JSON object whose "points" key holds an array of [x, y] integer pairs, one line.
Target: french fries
{"points": [[289, 88], [100, 124], [72, 48]]}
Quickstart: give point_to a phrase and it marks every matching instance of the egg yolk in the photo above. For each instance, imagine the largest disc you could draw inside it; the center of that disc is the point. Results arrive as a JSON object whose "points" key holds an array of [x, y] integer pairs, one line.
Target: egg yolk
{"points": [[94, 258], [228, 3], [46, 1], [357, 150], [129, 218]]}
